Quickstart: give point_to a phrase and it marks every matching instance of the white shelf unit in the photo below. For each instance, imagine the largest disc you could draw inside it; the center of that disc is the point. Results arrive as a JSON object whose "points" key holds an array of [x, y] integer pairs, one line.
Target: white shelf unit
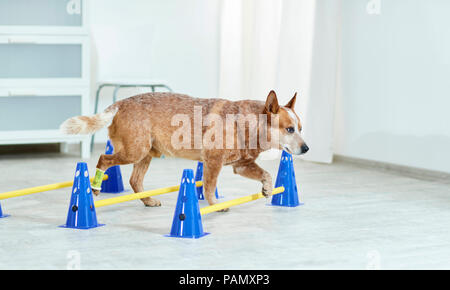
{"points": [[44, 70]]}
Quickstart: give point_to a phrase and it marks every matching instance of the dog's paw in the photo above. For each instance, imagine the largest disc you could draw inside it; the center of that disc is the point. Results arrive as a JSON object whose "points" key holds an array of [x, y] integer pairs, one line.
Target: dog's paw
{"points": [[211, 201], [267, 190], [151, 202], [224, 210]]}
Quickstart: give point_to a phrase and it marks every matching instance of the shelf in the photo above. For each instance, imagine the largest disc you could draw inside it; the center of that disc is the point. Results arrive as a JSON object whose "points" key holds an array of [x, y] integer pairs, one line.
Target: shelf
{"points": [[45, 70], [39, 137], [31, 60], [57, 17]]}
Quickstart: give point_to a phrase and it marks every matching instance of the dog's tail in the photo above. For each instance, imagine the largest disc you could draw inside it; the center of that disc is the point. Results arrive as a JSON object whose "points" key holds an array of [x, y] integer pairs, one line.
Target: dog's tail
{"points": [[88, 124]]}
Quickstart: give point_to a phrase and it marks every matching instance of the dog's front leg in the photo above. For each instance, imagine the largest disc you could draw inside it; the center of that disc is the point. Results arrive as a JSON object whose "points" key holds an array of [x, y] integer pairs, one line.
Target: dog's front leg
{"points": [[251, 170], [212, 167]]}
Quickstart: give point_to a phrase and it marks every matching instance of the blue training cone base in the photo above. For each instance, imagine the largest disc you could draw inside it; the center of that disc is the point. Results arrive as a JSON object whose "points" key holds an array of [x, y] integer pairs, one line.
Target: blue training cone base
{"points": [[124, 191], [1, 213], [81, 214], [186, 237], [81, 228], [286, 178], [187, 220], [114, 183], [276, 205]]}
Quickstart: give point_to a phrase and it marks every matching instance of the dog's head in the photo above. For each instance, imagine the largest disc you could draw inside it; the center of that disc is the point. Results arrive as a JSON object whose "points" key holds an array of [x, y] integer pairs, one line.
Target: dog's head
{"points": [[288, 125]]}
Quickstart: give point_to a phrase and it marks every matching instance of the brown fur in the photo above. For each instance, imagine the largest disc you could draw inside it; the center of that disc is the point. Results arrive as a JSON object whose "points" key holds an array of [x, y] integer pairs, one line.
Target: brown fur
{"points": [[141, 129]]}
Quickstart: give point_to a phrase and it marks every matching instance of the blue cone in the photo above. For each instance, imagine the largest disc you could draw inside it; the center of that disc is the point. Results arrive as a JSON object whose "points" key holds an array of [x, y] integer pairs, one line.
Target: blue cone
{"points": [[1, 213], [199, 177], [286, 178], [114, 183], [187, 221], [81, 213]]}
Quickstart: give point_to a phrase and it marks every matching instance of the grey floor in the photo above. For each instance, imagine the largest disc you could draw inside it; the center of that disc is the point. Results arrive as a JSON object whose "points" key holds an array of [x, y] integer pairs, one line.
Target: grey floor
{"points": [[353, 218]]}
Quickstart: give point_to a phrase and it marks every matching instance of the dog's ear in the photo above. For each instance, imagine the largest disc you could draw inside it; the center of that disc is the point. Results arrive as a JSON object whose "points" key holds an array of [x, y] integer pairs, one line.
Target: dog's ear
{"points": [[291, 103], [272, 103]]}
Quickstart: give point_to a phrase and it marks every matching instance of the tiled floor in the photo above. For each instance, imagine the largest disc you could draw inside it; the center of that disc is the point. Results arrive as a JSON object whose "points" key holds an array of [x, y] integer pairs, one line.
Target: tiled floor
{"points": [[353, 217]]}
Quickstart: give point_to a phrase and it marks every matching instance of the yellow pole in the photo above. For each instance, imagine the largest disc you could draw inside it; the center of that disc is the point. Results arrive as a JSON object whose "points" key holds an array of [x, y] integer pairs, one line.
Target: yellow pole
{"points": [[139, 195], [237, 201], [31, 190]]}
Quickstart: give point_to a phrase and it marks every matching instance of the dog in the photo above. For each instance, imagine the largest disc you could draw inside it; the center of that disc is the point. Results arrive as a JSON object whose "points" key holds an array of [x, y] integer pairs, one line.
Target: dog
{"points": [[145, 126]]}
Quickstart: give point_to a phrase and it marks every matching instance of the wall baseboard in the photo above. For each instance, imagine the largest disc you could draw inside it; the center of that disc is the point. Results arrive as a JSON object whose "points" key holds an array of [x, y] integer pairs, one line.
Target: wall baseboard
{"points": [[419, 173], [29, 148]]}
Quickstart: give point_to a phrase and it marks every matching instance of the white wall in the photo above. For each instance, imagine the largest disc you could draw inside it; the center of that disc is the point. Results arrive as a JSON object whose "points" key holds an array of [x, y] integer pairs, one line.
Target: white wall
{"points": [[171, 40], [394, 104], [394, 94]]}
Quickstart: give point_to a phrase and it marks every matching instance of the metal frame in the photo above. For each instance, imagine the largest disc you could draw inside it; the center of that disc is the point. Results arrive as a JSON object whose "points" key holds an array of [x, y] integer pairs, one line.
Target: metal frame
{"points": [[117, 87]]}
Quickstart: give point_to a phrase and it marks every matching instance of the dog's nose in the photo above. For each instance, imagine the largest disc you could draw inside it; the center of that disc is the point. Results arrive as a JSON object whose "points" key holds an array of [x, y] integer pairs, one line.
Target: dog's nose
{"points": [[304, 148]]}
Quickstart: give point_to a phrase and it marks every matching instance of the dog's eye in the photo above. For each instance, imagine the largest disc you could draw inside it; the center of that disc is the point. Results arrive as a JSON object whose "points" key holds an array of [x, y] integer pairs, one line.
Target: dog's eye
{"points": [[290, 130]]}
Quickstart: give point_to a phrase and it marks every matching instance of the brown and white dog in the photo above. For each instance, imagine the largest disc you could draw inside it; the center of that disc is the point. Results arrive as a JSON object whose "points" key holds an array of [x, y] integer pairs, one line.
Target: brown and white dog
{"points": [[142, 127]]}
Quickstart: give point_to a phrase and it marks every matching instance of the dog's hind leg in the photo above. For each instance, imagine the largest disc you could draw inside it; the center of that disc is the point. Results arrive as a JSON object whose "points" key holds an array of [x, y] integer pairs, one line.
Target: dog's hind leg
{"points": [[121, 157], [105, 162], [137, 180]]}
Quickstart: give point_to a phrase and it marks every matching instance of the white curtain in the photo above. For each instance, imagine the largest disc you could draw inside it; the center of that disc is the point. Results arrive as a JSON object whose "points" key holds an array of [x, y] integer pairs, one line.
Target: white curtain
{"points": [[290, 46]]}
